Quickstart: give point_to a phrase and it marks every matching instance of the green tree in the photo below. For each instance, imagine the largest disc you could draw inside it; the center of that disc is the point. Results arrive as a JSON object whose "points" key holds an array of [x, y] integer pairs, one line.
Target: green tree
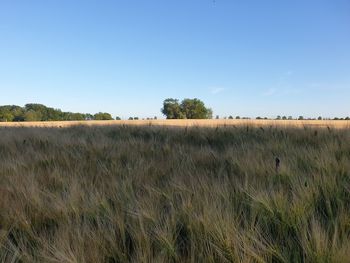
{"points": [[89, 116], [195, 109], [40, 109], [18, 113], [11, 113], [32, 115], [39, 112], [103, 116], [172, 110], [52, 114], [70, 116], [209, 113], [6, 116]]}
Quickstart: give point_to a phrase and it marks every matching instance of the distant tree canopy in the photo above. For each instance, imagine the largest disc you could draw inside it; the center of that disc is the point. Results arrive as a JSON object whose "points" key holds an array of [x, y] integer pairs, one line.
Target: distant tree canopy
{"points": [[103, 116], [39, 112], [172, 110], [187, 109]]}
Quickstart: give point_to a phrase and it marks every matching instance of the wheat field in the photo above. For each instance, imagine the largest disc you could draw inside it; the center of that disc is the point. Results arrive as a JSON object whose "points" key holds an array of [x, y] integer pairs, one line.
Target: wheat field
{"points": [[188, 123], [159, 194]]}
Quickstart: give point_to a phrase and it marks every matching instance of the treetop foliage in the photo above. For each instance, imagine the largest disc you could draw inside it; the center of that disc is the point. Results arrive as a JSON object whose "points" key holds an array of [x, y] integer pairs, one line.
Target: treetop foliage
{"points": [[40, 112], [187, 109]]}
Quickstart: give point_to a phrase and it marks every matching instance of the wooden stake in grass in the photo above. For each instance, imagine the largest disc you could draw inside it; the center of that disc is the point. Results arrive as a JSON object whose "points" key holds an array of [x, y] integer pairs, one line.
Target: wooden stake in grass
{"points": [[277, 163]]}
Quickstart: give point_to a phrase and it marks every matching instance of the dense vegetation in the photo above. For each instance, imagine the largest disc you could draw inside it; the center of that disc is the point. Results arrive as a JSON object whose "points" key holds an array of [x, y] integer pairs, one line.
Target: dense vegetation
{"points": [[39, 112], [187, 109], [132, 194], [172, 109]]}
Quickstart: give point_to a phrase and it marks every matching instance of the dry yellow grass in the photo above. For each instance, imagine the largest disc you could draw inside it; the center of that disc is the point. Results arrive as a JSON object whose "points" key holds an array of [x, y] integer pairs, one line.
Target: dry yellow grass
{"points": [[185, 123], [151, 194]]}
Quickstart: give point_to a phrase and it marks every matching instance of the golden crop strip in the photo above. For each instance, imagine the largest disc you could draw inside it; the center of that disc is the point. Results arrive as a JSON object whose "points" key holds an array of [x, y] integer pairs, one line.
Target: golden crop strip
{"points": [[341, 124]]}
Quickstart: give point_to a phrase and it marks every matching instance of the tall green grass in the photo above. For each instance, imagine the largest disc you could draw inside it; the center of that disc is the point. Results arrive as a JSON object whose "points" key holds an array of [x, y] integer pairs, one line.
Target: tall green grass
{"points": [[152, 194]]}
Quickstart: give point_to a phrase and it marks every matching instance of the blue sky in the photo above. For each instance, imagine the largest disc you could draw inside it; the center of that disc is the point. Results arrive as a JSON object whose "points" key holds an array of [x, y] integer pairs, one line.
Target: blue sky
{"points": [[241, 57]]}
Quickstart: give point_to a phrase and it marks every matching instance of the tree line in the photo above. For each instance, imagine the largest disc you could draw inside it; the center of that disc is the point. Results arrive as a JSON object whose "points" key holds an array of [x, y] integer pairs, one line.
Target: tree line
{"points": [[196, 109], [172, 109], [40, 112], [285, 118]]}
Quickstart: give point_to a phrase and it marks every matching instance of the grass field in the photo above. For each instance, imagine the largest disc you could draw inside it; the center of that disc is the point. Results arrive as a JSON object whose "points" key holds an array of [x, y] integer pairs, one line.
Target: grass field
{"points": [[188, 123], [158, 194]]}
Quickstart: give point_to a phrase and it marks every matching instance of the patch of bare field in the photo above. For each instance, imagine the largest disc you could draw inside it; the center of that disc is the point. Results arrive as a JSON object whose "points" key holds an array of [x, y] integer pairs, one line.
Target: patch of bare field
{"points": [[341, 124]]}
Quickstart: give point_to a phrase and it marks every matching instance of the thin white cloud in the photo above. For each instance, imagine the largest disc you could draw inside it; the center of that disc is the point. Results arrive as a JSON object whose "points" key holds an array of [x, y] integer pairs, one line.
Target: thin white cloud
{"points": [[217, 90], [283, 86], [281, 91]]}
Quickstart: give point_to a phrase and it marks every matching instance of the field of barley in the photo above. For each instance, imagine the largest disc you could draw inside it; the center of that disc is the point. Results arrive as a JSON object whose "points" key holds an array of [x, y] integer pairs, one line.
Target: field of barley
{"points": [[126, 193], [188, 123]]}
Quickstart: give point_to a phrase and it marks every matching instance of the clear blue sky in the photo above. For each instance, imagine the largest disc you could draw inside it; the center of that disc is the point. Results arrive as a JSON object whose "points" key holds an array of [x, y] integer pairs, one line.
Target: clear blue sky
{"points": [[241, 57]]}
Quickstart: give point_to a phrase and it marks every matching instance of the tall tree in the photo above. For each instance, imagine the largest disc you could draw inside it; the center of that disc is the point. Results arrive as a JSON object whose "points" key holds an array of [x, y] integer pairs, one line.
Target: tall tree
{"points": [[171, 109], [195, 109], [103, 116], [188, 109]]}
